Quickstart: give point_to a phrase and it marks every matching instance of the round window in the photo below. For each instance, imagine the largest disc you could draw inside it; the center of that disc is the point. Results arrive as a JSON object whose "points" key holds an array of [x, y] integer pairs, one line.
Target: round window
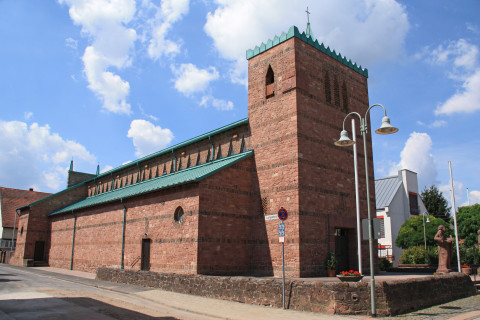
{"points": [[178, 215]]}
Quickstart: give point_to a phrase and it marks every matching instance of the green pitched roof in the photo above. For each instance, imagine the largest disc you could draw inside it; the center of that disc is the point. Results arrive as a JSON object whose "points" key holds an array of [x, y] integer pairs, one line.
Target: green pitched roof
{"points": [[189, 175], [293, 32], [153, 155]]}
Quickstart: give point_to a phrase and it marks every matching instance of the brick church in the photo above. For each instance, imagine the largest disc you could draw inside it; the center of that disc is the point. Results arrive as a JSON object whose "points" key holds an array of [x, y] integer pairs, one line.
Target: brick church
{"points": [[208, 205]]}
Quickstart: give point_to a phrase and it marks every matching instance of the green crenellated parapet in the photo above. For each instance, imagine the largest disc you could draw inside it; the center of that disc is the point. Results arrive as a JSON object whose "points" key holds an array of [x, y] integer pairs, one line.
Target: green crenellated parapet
{"points": [[294, 32]]}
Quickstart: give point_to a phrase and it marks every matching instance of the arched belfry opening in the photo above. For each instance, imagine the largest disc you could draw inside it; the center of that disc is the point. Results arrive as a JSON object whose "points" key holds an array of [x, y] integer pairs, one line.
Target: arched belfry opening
{"points": [[269, 82]]}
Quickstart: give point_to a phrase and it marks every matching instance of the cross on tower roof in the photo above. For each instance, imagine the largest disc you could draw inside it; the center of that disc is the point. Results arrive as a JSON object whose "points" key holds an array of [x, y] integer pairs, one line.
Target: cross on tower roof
{"points": [[308, 31]]}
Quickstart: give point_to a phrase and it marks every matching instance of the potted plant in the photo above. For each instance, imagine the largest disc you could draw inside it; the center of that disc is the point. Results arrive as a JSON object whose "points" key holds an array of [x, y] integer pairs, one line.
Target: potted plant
{"points": [[466, 269], [331, 264], [350, 276]]}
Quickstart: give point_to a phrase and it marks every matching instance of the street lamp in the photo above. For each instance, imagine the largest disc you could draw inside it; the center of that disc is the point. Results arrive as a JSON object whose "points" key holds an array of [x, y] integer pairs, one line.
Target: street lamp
{"points": [[424, 231], [344, 141]]}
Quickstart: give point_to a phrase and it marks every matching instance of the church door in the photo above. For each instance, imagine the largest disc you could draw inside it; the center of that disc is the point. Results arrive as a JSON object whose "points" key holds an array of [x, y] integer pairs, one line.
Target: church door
{"points": [[341, 249], [39, 251], [145, 254]]}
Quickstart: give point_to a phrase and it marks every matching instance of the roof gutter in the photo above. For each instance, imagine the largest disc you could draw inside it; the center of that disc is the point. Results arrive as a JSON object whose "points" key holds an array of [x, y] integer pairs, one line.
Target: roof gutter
{"points": [[14, 238], [123, 234], [73, 239]]}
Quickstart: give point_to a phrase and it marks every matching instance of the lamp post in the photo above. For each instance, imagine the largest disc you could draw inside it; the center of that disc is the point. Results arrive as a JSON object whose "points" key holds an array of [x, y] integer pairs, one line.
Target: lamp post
{"points": [[344, 141], [424, 231]]}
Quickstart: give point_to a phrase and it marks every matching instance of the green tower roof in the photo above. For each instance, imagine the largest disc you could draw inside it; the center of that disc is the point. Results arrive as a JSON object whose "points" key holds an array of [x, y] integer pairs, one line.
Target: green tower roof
{"points": [[293, 32]]}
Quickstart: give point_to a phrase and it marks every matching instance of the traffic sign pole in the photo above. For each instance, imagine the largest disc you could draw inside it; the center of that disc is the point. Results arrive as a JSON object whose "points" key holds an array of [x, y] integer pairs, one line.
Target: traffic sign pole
{"points": [[283, 271]]}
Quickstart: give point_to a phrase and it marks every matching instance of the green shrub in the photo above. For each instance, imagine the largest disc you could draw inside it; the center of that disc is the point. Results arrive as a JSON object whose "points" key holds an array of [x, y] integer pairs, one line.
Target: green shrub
{"points": [[385, 264], [413, 255]]}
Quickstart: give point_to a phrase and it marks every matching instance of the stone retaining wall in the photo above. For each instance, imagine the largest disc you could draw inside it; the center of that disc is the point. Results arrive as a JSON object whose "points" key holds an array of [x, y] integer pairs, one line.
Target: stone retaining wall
{"points": [[393, 297]]}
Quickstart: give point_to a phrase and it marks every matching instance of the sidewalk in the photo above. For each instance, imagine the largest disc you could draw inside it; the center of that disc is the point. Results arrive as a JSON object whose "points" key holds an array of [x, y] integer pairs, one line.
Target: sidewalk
{"points": [[468, 308]]}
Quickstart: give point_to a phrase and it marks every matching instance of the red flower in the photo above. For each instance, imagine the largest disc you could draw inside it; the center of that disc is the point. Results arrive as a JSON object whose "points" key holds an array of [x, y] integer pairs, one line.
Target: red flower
{"points": [[350, 273], [464, 266]]}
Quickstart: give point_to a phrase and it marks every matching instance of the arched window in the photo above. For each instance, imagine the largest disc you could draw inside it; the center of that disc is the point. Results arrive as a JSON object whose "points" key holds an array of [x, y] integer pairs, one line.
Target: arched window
{"points": [[336, 92], [269, 82], [345, 97], [328, 91], [178, 215]]}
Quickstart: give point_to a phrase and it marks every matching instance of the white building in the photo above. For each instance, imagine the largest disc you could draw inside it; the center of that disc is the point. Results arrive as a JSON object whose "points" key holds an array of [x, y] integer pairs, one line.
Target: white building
{"points": [[397, 199]]}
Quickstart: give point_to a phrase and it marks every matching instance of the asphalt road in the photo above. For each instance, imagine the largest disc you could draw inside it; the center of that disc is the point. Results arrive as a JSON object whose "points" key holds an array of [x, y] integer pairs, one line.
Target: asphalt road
{"points": [[41, 295]]}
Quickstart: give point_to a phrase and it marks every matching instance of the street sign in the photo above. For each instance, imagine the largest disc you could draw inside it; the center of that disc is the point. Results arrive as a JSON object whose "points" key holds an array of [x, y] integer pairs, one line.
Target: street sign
{"points": [[376, 228], [281, 229], [282, 214], [281, 239]]}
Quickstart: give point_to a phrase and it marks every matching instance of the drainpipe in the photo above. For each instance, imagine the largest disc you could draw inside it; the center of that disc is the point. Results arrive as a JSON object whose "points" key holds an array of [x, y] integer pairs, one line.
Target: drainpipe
{"points": [[175, 167], [123, 233], [213, 148], [14, 226], [73, 238]]}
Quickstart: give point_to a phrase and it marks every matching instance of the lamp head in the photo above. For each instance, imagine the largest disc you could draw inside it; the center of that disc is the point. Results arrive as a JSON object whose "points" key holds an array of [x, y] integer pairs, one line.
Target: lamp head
{"points": [[344, 140], [428, 220], [386, 127]]}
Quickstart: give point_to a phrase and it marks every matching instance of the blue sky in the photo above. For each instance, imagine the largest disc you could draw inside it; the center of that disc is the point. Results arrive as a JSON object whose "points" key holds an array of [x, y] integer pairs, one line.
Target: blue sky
{"points": [[109, 81]]}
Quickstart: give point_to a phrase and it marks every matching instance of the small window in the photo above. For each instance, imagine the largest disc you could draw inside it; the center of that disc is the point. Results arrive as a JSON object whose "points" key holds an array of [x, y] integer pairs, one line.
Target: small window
{"points": [[413, 199], [269, 82], [336, 92], [178, 215], [198, 158], [345, 97], [189, 162], [328, 92], [230, 149], [219, 152], [21, 231]]}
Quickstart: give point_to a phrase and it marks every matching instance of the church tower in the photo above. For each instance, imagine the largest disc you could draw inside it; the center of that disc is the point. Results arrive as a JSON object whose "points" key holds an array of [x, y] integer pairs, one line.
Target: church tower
{"points": [[299, 92]]}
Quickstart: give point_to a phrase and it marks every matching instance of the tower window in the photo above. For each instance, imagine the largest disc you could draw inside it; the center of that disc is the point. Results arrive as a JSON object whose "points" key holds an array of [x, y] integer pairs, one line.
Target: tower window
{"points": [[328, 91], [345, 97], [336, 92], [269, 82]]}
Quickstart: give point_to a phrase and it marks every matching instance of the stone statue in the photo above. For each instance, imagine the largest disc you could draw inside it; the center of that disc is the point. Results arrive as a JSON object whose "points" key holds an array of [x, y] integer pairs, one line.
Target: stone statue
{"points": [[444, 250]]}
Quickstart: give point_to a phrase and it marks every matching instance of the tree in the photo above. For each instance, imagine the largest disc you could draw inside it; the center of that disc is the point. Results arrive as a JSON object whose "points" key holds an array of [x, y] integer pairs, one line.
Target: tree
{"points": [[435, 203], [411, 233], [468, 221]]}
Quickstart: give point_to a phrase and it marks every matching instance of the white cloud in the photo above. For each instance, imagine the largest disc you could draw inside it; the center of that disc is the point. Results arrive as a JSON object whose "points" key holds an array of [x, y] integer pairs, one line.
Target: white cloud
{"points": [[71, 43], [189, 79], [34, 156], [416, 156], [367, 31], [466, 100], [148, 138], [169, 12], [474, 196], [461, 53], [106, 168], [27, 115], [103, 22], [438, 124], [219, 104]]}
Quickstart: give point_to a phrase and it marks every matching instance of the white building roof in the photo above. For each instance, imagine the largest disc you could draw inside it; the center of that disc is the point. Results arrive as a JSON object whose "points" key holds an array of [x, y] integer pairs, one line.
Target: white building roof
{"points": [[385, 190]]}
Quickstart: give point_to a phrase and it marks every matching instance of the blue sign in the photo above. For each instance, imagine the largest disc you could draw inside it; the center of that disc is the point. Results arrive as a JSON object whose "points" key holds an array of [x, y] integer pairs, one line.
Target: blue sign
{"points": [[282, 214], [281, 229]]}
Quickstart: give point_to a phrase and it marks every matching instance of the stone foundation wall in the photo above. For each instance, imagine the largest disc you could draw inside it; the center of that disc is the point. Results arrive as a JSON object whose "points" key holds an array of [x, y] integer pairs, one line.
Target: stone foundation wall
{"points": [[393, 297]]}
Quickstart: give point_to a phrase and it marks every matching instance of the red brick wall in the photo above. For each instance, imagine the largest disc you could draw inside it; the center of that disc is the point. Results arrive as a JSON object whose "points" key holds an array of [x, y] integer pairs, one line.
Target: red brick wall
{"points": [[326, 178], [225, 220], [98, 234], [273, 124], [36, 226], [297, 163]]}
